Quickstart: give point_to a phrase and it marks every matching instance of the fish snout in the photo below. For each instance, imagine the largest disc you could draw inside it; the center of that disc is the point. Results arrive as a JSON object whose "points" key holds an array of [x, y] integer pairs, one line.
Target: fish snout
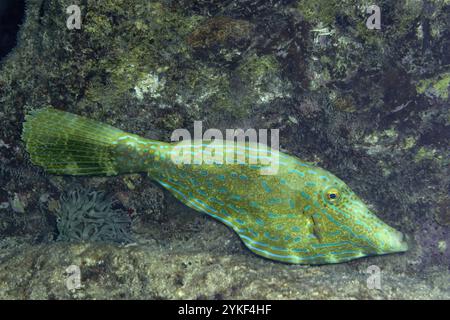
{"points": [[398, 242]]}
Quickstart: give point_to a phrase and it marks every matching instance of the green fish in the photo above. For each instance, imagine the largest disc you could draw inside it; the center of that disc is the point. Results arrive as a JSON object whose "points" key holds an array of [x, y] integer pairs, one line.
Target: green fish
{"points": [[300, 214]]}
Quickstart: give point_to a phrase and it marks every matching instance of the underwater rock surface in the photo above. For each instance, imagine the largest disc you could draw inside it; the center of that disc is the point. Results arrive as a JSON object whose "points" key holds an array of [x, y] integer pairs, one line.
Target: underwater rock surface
{"points": [[184, 272], [371, 106]]}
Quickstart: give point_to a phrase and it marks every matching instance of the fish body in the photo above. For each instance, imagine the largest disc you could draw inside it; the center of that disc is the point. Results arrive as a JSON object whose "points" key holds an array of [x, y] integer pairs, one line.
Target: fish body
{"points": [[299, 214]]}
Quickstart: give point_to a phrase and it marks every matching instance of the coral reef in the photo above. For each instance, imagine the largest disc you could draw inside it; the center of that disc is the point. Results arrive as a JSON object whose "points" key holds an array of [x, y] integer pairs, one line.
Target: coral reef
{"points": [[370, 106]]}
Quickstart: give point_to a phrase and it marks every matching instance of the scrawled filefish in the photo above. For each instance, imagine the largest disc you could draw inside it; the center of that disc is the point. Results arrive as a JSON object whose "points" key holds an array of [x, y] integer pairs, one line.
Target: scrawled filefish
{"points": [[300, 214]]}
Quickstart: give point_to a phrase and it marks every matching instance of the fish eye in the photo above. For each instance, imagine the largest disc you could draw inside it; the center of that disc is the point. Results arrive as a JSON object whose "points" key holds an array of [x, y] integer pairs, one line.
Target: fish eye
{"points": [[332, 195]]}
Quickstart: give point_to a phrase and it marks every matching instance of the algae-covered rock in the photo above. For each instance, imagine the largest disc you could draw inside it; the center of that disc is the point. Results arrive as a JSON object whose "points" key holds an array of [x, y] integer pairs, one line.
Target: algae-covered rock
{"points": [[88, 271], [221, 38], [369, 105]]}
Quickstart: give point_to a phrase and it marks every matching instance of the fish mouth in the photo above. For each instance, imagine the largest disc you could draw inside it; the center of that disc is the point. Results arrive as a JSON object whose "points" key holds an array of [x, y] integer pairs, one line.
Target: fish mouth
{"points": [[398, 242]]}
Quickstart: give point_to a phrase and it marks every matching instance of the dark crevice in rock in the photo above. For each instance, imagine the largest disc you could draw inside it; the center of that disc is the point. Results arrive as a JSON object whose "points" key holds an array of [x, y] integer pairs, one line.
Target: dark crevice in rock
{"points": [[11, 16]]}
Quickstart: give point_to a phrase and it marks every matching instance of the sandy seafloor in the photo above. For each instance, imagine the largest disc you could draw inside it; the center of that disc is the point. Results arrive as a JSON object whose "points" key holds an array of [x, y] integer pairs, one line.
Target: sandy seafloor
{"points": [[371, 106]]}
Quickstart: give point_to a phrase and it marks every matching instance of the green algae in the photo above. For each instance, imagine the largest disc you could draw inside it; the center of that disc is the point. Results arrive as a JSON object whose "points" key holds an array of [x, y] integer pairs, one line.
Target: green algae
{"points": [[374, 138], [425, 153], [326, 11], [224, 36], [54, 66], [142, 48], [438, 86], [157, 44], [409, 142], [261, 75]]}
